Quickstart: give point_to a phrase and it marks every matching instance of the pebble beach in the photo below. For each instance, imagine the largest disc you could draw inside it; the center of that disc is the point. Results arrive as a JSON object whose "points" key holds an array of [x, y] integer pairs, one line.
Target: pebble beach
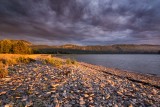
{"points": [[81, 85]]}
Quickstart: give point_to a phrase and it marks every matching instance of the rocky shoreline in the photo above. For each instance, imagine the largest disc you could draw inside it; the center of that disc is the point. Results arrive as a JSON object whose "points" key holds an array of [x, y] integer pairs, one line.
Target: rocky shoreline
{"points": [[82, 85], [153, 80]]}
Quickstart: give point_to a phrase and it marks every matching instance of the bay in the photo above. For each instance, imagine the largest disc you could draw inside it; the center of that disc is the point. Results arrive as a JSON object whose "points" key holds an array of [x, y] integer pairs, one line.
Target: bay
{"points": [[142, 63]]}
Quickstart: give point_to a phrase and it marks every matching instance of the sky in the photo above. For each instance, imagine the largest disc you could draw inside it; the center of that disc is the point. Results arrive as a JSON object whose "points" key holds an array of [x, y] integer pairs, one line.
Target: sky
{"points": [[82, 22]]}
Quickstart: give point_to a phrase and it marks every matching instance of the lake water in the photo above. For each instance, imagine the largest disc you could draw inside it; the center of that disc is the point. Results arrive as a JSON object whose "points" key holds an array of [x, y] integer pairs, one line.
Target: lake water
{"points": [[148, 64]]}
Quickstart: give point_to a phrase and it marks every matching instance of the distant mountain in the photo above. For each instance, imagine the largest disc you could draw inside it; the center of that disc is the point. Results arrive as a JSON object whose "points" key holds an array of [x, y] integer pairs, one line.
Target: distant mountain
{"points": [[111, 49]]}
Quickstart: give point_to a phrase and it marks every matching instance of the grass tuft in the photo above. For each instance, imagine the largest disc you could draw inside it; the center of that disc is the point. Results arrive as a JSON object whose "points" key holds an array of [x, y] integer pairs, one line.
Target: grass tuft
{"points": [[3, 70], [25, 60], [12, 59], [71, 61], [52, 61]]}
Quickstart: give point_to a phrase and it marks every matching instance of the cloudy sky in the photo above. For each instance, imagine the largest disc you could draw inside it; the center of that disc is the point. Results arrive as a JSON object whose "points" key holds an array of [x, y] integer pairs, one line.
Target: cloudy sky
{"points": [[83, 22]]}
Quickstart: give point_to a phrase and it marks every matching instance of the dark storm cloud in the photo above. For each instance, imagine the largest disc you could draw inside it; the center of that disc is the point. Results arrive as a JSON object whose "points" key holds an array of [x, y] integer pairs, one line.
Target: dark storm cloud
{"points": [[81, 21]]}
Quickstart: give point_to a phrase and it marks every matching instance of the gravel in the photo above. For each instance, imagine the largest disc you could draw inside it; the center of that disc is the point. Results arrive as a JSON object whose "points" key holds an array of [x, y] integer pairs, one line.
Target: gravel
{"points": [[40, 85]]}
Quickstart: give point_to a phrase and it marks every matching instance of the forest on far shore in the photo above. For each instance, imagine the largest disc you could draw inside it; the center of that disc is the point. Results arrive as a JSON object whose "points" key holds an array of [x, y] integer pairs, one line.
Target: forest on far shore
{"points": [[109, 49]]}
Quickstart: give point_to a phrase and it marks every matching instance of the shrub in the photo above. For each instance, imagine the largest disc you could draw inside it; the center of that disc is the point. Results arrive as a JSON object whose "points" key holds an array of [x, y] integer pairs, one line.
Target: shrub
{"points": [[48, 60], [57, 63], [53, 62], [3, 73], [11, 62], [3, 70], [1, 65], [70, 61], [25, 60], [16, 60], [3, 61], [8, 61]]}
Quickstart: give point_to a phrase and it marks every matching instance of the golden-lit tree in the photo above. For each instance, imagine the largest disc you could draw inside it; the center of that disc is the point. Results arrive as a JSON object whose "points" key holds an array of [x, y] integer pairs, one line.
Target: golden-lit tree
{"points": [[15, 47], [6, 46]]}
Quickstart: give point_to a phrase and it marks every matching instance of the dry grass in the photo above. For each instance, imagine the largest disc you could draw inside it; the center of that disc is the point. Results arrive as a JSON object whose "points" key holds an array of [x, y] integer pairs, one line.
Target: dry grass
{"points": [[3, 70], [57, 62], [70, 61], [53, 61], [12, 59]]}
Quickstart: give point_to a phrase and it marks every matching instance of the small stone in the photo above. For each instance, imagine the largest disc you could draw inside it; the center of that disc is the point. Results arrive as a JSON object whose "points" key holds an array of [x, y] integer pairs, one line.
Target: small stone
{"points": [[134, 100], [110, 104], [28, 104], [54, 85], [133, 85], [3, 92], [81, 98], [115, 105], [149, 96], [8, 105], [107, 96], [119, 93], [47, 94], [64, 93], [78, 91], [57, 105], [72, 92], [82, 102], [144, 94], [86, 95], [92, 95], [67, 105], [130, 105], [91, 106], [90, 98], [24, 98], [6, 79], [20, 71], [102, 85], [55, 100], [91, 101], [17, 97], [154, 91]]}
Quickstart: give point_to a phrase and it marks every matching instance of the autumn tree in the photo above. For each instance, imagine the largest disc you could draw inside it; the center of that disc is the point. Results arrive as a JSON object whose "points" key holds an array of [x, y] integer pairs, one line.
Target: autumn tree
{"points": [[21, 48], [15, 47], [6, 46]]}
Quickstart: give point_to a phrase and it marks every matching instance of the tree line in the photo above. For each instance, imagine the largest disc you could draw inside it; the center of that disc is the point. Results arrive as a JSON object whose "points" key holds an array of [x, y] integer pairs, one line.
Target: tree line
{"points": [[14, 47], [111, 49]]}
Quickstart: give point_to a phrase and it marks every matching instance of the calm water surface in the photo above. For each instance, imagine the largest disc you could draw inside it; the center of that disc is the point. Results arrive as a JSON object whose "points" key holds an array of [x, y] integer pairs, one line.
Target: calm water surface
{"points": [[148, 64]]}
